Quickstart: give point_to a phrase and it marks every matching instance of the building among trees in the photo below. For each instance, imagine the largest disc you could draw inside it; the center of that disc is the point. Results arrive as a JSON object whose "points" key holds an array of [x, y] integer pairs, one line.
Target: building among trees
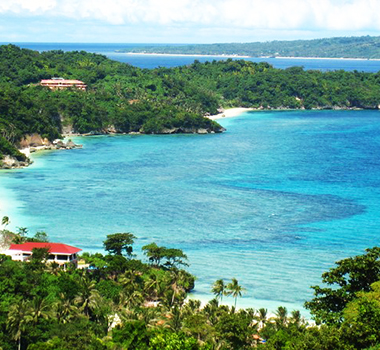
{"points": [[60, 83], [58, 252]]}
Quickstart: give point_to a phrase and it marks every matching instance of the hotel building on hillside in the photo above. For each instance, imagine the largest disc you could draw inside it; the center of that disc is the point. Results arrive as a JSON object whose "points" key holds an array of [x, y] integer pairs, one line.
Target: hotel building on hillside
{"points": [[60, 253], [60, 83]]}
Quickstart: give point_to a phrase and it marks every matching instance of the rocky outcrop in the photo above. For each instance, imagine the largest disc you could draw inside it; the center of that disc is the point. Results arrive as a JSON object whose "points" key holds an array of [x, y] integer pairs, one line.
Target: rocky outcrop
{"points": [[9, 162], [33, 143], [59, 144], [192, 130], [33, 140]]}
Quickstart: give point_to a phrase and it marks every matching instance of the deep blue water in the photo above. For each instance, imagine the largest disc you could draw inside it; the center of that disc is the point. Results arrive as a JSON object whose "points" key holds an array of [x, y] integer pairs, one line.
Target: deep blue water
{"points": [[274, 201], [154, 61]]}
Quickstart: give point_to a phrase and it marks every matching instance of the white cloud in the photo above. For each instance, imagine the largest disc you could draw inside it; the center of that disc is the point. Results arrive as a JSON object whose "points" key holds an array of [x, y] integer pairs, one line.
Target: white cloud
{"points": [[336, 15]]}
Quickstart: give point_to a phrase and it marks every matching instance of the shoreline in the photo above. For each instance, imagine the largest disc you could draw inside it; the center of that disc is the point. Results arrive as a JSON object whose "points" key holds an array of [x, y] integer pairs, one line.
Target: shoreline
{"points": [[230, 113], [324, 58], [247, 56], [183, 54]]}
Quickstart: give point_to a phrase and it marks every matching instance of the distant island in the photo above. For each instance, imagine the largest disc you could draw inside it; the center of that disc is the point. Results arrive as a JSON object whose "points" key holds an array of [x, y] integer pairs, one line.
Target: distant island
{"points": [[364, 47]]}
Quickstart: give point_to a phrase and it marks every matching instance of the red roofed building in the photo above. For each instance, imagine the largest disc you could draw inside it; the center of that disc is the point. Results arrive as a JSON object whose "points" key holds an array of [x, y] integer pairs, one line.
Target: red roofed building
{"points": [[60, 83], [58, 252]]}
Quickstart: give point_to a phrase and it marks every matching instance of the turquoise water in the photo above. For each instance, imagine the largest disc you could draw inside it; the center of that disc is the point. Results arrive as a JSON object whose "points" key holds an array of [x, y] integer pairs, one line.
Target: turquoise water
{"points": [[274, 201]]}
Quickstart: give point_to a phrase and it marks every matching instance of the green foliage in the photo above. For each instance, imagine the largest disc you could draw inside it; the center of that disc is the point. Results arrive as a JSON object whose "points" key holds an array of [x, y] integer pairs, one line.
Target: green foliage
{"points": [[351, 47], [362, 319], [132, 335], [174, 257], [119, 242], [350, 276], [110, 307], [127, 99], [173, 341]]}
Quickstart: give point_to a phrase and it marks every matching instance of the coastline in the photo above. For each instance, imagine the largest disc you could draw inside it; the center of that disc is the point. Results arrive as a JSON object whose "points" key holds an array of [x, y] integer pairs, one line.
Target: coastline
{"points": [[230, 113], [325, 58], [183, 54], [247, 56]]}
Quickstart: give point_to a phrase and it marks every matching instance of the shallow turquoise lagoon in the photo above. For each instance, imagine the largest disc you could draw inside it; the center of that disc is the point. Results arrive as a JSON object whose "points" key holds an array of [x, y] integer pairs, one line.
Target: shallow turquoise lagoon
{"points": [[274, 201]]}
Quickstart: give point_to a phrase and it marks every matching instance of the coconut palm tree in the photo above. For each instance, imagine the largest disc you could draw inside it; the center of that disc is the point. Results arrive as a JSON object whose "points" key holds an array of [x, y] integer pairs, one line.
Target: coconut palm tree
{"points": [[64, 309], [219, 289], [262, 317], [234, 289], [5, 221], [296, 318], [18, 319], [88, 298], [40, 308], [281, 316]]}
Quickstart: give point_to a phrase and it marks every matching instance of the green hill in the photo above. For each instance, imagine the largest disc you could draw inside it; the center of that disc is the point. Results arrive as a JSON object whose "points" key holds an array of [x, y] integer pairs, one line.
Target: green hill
{"points": [[365, 47], [122, 98]]}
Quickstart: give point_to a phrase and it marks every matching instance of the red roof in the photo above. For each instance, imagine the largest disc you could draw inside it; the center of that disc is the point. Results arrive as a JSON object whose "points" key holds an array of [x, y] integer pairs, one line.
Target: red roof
{"points": [[54, 248]]}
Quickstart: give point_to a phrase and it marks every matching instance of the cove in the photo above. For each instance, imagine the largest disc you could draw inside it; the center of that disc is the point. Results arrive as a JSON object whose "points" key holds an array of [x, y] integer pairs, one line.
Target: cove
{"points": [[274, 201]]}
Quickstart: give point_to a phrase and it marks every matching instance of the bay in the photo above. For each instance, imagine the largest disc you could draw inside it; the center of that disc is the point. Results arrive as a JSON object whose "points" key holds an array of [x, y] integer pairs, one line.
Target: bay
{"points": [[274, 201], [154, 61]]}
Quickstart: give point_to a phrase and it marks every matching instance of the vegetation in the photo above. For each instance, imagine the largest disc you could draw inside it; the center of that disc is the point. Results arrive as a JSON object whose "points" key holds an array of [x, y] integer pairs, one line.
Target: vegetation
{"points": [[124, 303], [346, 47], [122, 98]]}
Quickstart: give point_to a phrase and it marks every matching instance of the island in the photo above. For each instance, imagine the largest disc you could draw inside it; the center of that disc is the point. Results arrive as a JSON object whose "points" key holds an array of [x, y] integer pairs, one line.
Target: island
{"points": [[106, 96], [364, 47]]}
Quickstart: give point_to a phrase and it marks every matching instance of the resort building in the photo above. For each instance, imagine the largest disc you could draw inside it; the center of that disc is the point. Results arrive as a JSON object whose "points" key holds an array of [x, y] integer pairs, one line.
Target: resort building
{"points": [[59, 253], [60, 83]]}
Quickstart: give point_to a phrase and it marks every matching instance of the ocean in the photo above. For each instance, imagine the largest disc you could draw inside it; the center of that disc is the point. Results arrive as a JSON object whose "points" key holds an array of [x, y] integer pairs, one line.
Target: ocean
{"points": [[154, 61], [273, 202]]}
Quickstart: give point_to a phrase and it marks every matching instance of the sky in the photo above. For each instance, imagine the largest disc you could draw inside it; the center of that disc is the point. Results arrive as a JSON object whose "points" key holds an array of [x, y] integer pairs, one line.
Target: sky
{"points": [[184, 21]]}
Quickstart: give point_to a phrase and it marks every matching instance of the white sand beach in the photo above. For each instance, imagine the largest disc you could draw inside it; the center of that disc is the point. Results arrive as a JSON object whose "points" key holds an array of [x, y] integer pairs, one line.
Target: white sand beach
{"points": [[183, 54], [230, 113]]}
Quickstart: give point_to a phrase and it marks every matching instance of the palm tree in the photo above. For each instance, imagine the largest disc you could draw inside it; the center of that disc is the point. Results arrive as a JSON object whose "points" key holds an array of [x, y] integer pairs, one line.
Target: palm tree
{"points": [[235, 289], [218, 289], [40, 308], [5, 221], [282, 316], [18, 319], [64, 309], [88, 298], [262, 317], [296, 318]]}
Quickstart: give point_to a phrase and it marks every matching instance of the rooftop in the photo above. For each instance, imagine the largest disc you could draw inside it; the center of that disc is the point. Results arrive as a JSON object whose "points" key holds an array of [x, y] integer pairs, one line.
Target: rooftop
{"points": [[54, 248]]}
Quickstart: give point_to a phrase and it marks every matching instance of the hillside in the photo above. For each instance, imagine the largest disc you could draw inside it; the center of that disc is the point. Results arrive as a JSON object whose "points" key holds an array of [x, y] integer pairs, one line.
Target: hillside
{"points": [[365, 47], [124, 99]]}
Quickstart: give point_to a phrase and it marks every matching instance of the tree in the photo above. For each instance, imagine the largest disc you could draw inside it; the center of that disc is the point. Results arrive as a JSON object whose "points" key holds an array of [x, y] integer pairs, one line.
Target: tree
{"points": [[64, 309], [218, 289], [119, 242], [172, 341], [20, 236], [154, 253], [40, 308], [5, 221], [281, 318], [41, 236], [88, 298], [175, 257], [234, 289], [18, 319], [350, 276], [262, 317], [362, 318]]}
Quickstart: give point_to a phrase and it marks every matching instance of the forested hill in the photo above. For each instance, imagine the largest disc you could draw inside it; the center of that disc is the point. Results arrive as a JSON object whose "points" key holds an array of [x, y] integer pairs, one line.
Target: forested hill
{"points": [[366, 47], [122, 98]]}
